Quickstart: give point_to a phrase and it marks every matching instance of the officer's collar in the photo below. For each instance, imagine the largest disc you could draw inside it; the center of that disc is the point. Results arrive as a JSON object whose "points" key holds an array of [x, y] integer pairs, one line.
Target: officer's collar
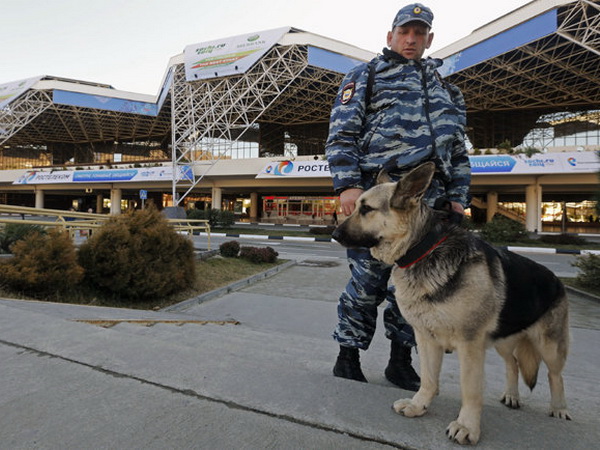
{"points": [[391, 54]]}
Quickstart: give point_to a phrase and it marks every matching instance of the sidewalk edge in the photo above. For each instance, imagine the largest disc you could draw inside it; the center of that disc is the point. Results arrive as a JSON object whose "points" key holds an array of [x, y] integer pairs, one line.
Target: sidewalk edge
{"points": [[182, 306]]}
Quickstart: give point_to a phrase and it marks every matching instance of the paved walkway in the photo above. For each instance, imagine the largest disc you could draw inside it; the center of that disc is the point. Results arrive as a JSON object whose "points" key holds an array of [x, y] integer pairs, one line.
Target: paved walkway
{"points": [[262, 383]]}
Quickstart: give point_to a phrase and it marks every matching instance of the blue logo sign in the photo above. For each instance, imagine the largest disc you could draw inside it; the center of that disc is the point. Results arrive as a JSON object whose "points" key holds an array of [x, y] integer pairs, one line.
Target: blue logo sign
{"points": [[496, 163], [104, 175]]}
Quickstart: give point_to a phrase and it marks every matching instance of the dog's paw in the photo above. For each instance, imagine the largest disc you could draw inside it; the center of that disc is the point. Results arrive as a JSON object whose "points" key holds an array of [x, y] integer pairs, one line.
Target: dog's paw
{"points": [[408, 408], [461, 434], [511, 400], [560, 414]]}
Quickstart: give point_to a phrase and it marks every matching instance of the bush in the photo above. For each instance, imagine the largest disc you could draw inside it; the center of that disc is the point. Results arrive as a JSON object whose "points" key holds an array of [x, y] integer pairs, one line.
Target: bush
{"points": [[562, 239], [259, 255], [530, 151], [226, 219], [138, 255], [322, 230], [43, 264], [196, 214], [589, 265], [215, 217], [503, 229], [14, 232], [230, 249]]}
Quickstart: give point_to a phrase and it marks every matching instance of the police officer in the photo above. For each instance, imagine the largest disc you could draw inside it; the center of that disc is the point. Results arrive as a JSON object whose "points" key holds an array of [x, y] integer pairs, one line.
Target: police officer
{"points": [[395, 113]]}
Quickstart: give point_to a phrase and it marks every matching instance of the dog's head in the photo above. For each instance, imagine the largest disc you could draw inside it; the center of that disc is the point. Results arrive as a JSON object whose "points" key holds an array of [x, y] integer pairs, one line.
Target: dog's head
{"points": [[387, 216]]}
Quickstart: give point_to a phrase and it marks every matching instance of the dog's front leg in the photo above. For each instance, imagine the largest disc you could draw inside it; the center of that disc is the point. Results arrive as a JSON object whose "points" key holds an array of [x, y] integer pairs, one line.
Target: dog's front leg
{"points": [[430, 363], [466, 428]]}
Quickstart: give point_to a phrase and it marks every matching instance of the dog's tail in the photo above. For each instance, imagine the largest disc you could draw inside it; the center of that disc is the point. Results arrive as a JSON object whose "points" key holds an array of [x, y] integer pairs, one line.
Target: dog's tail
{"points": [[528, 359]]}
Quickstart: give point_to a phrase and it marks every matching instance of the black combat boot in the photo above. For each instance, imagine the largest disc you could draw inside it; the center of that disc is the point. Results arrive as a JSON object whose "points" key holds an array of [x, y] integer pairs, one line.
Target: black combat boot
{"points": [[400, 371], [347, 365]]}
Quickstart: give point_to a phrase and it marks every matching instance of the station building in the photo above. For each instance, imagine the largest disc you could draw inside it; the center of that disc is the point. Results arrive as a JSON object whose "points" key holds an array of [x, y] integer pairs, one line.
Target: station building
{"points": [[240, 123]]}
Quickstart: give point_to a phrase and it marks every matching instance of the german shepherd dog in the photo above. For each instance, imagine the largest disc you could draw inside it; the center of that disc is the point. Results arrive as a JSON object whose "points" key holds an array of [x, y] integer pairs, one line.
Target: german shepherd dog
{"points": [[459, 293]]}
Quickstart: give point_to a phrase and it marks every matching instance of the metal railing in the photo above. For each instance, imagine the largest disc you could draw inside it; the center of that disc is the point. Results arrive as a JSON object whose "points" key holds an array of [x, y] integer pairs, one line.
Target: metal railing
{"points": [[83, 223]]}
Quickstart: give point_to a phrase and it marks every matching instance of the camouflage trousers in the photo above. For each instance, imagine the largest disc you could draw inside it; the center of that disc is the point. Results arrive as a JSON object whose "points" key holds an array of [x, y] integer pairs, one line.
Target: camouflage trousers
{"points": [[358, 304]]}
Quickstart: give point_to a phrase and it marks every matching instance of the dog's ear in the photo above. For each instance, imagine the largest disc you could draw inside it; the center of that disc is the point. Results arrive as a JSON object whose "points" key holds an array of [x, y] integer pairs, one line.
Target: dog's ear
{"points": [[413, 186], [383, 177]]}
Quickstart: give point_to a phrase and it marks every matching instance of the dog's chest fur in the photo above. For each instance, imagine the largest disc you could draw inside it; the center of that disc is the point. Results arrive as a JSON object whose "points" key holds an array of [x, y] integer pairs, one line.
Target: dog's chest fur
{"points": [[450, 294]]}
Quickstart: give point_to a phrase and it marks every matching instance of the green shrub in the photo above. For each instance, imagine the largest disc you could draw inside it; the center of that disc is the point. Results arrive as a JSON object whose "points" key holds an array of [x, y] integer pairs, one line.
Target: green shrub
{"points": [[259, 255], [505, 147], [327, 230], [138, 255], [196, 214], [226, 219], [215, 217], [503, 229], [530, 151], [562, 239], [229, 249], [43, 264], [589, 266], [14, 232]]}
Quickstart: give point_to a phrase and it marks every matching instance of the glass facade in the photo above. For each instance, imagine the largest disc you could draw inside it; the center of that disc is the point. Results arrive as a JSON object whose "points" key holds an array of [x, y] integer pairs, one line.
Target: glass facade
{"points": [[299, 209]]}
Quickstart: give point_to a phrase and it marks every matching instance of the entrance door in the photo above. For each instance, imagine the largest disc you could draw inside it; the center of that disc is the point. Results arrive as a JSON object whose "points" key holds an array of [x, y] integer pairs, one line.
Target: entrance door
{"points": [[282, 208]]}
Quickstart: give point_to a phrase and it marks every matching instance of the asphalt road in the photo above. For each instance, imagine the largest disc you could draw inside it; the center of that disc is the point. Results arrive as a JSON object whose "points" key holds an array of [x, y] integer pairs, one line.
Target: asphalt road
{"points": [[294, 248]]}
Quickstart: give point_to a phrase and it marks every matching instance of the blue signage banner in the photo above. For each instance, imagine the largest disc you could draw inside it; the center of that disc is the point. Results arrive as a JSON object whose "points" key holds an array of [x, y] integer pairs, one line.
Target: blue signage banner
{"points": [[331, 61], [492, 164], [102, 102], [144, 174], [567, 162], [522, 34]]}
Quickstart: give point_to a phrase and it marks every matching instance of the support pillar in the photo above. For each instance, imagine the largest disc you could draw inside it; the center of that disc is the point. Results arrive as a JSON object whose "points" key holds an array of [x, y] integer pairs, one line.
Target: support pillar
{"points": [[115, 201], [492, 205], [533, 204], [253, 206], [99, 203], [217, 197], [39, 198]]}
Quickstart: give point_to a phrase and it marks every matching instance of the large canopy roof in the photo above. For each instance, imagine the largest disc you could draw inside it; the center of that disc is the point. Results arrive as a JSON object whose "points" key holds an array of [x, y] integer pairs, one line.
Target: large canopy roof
{"points": [[63, 111], [539, 59]]}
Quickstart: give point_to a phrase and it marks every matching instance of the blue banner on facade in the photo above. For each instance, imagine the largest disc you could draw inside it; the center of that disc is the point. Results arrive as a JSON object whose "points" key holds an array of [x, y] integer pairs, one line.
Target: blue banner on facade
{"points": [[103, 102], [522, 34], [331, 61]]}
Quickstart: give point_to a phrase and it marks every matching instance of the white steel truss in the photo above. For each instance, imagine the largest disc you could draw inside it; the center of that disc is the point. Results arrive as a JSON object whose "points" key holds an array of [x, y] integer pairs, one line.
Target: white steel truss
{"points": [[581, 25], [19, 113], [210, 116]]}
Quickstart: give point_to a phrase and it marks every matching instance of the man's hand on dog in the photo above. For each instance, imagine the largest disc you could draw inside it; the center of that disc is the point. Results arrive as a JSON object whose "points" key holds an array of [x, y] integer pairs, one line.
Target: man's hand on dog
{"points": [[457, 207], [348, 199]]}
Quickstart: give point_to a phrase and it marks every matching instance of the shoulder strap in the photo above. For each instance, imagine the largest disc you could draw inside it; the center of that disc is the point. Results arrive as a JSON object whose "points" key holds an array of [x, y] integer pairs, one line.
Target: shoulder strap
{"points": [[370, 81], [441, 80]]}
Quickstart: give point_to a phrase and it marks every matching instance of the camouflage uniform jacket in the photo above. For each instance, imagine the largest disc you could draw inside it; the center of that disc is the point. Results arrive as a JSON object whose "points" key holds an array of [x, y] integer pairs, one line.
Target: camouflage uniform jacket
{"points": [[412, 117]]}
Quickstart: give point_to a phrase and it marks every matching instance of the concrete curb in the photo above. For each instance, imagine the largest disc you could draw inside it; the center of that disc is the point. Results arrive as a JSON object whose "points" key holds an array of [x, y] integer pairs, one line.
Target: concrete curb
{"points": [[552, 250], [585, 294], [322, 239], [268, 237], [236, 286]]}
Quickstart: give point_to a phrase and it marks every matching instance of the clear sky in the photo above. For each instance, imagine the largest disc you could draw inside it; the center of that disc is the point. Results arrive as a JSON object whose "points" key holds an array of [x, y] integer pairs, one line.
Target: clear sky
{"points": [[128, 43]]}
